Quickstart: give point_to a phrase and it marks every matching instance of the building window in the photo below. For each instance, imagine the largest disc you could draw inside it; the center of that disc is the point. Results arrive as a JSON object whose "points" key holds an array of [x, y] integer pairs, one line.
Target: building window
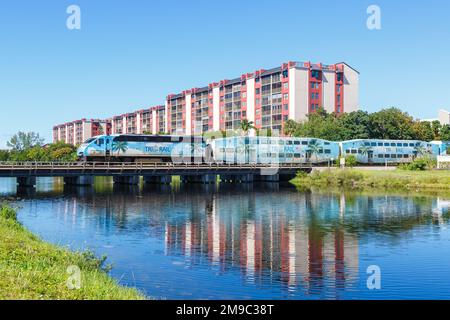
{"points": [[285, 96], [285, 73], [257, 90], [286, 107], [340, 75], [285, 85]]}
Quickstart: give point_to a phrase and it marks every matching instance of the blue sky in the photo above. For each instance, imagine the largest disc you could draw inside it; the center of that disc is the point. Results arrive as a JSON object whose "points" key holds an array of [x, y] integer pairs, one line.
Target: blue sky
{"points": [[131, 54]]}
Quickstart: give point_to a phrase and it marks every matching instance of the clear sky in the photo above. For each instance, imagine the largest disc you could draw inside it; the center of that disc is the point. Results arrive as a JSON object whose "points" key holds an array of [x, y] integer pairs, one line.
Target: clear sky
{"points": [[131, 54]]}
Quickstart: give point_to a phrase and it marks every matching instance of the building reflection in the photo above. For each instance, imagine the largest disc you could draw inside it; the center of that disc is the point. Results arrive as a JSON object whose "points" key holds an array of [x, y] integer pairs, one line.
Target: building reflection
{"points": [[267, 245]]}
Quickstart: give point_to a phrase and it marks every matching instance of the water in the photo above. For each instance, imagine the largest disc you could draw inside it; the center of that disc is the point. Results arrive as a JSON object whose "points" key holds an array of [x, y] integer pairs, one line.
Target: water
{"points": [[261, 242]]}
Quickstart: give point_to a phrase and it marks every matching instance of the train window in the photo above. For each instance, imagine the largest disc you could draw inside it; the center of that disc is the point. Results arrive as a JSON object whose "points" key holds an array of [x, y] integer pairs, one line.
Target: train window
{"points": [[373, 144], [289, 155], [367, 144], [393, 156], [327, 151], [347, 151], [359, 151], [297, 155], [405, 144], [89, 140], [386, 144], [289, 142], [296, 142], [326, 143], [281, 155], [399, 144], [392, 144], [281, 142], [100, 142], [406, 156], [380, 144], [320, 150], [411, 144], [387, 156], [381, 155], [305, 143], [354, 151]]}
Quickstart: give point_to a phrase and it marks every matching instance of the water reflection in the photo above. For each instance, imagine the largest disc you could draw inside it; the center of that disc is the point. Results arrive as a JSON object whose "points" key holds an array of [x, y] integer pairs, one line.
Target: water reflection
{"points": [[233, 242]]}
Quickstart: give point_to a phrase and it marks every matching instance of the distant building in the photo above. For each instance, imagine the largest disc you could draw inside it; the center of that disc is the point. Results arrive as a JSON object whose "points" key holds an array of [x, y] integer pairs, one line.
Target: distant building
{"points": [[444, 117], [77, 131], [150, 120]]}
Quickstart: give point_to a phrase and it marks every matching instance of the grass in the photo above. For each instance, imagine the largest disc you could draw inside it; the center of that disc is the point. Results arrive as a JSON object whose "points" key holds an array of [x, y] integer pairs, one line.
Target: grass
{"points": [[33, 269], [431, 180]]}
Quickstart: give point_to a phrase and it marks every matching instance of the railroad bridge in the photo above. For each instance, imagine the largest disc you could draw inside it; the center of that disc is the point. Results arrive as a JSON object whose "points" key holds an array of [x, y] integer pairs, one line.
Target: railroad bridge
{"points": [[83, 173]]}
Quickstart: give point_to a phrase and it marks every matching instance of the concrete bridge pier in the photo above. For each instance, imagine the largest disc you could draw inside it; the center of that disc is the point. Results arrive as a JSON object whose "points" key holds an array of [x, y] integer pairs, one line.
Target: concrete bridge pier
{"points": [[26, 181], [157, 179], [130, 180], [79, 181], [204, 179]]}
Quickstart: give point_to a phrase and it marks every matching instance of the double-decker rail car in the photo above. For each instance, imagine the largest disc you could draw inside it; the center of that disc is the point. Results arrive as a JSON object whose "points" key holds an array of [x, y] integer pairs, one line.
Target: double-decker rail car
{"points": [[269, 150], [375, 151], [145, 148]]}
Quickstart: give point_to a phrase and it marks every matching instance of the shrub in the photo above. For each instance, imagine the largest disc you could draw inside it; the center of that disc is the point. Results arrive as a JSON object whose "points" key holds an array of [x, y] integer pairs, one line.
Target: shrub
{"points": [[419, 164], [7, 212], [350, 161]]}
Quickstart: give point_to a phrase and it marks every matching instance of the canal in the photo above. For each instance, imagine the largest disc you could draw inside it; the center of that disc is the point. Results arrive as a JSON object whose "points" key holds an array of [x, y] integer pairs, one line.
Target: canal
{"points": [[249, 242]]}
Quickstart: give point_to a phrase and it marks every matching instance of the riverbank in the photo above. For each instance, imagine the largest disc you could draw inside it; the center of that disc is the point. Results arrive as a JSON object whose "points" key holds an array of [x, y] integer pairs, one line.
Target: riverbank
{"points": [[430, 180], [33, 269]]}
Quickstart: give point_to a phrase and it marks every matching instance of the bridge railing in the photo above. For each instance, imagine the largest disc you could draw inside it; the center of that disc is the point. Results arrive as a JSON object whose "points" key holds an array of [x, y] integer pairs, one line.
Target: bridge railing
{"points": [[138, 165]]}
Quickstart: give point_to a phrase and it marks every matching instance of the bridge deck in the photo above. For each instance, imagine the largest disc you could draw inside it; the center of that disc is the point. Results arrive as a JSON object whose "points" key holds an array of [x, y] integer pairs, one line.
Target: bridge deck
{"points": [[68, 169]]}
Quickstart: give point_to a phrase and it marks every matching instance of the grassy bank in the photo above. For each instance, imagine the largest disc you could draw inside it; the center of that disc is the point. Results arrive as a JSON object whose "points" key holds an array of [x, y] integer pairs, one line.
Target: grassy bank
{"points": [[33, 269], [363, 179]]}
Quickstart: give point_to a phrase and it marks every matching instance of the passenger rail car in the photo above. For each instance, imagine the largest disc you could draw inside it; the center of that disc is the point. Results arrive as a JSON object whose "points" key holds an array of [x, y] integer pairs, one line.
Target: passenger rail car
{"points": [[270, 150], [374, 151], [145, 148]]}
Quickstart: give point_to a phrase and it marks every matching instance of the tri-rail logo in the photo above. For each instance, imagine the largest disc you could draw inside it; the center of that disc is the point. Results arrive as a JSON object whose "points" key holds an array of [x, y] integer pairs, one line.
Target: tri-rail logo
{"points": [[158, 149]]}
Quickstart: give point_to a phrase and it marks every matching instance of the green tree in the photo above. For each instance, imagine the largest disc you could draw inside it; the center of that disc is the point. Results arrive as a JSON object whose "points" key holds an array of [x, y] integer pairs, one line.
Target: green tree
{"points": [[246, 126], [290, 127], [22, 141], [391, 123]]}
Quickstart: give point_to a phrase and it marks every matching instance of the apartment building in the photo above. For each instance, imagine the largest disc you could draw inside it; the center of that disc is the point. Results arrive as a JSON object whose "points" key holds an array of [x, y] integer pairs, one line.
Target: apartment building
{"points": [[77, 131], [268, 98], [150, 120]]}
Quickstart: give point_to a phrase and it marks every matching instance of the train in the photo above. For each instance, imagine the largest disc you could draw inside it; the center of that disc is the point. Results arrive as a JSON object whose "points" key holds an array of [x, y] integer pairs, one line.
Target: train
{"points": [[253, 150]]}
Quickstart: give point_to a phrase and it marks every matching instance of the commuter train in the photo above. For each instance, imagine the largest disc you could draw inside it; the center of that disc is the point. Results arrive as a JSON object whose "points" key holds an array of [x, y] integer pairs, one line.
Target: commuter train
{"points": [[253, 150]]}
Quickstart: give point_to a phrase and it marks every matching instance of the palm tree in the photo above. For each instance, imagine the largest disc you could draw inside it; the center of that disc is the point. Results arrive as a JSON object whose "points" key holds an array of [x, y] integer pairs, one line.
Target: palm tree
{"points": [[314, 147], [246, 125], [119, 146]]}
